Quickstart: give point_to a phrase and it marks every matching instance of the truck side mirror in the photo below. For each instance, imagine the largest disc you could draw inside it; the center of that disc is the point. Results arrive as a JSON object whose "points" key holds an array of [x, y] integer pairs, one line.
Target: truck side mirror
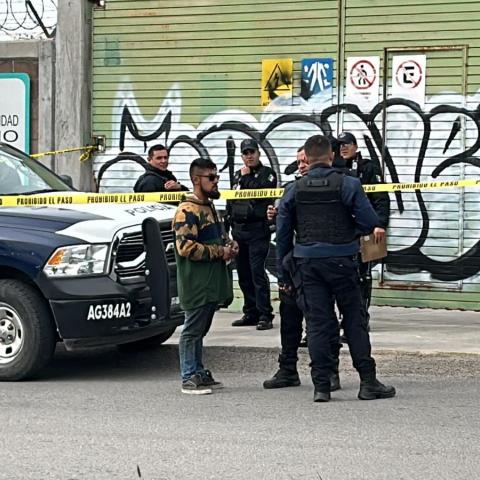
{"points": [[67, 179]]}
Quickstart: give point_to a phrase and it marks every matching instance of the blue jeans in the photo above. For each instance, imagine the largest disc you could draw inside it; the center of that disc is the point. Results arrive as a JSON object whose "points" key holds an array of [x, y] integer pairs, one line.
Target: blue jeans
{"points": [[190, 346]]}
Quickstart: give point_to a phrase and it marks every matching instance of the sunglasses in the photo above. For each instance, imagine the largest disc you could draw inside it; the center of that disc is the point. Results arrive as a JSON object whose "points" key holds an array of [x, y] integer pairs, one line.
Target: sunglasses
{"points": [[212, 177]]}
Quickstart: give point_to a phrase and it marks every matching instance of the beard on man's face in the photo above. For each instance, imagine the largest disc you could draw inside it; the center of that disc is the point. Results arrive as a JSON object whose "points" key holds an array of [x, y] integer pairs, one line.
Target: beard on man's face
{"points": [[213, 193]]}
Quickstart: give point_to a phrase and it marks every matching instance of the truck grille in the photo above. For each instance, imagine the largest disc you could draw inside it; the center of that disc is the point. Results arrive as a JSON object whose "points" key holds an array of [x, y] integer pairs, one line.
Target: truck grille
{"points": [[130, 253]]}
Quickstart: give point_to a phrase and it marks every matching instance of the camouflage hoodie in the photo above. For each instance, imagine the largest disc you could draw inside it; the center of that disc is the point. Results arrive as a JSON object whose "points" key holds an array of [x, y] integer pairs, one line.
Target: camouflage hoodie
{"points": [[202, 274]]}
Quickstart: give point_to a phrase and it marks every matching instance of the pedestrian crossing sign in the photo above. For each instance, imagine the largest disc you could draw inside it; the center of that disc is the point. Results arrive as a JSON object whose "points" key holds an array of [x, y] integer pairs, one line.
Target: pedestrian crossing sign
{"points": [[277, 79]]}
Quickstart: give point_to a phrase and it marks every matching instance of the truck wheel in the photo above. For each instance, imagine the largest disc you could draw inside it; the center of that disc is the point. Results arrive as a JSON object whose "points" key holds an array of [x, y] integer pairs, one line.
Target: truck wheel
{"points": [[146, 343], [27, 334]]}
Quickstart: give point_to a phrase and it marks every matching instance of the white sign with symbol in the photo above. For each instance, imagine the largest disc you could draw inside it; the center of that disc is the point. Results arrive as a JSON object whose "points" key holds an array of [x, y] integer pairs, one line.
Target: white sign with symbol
{"points": [[408, 77], [362, 82]]}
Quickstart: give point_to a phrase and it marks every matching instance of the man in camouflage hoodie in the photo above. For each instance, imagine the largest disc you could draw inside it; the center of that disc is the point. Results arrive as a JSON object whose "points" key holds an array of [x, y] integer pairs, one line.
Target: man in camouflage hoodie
{"points": [[202, 251]]}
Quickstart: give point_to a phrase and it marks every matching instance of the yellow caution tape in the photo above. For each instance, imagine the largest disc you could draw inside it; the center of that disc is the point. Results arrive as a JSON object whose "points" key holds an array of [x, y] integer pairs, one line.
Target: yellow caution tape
{"points": [[249, 194], [66, 198], [85, 156], [407, 187]]}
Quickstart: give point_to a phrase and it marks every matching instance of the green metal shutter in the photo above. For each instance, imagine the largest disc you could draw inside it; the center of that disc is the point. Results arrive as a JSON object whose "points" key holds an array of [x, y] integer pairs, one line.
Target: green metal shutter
{"points": [[180, 69], [198, 59], [202, 62], [437, 230]]}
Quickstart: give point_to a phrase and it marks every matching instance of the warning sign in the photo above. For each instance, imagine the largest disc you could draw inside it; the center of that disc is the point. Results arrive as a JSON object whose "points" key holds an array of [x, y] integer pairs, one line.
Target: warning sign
{"points": [[317, 78], [408, 77], [363, 74], [277, 79], [362, 80]]}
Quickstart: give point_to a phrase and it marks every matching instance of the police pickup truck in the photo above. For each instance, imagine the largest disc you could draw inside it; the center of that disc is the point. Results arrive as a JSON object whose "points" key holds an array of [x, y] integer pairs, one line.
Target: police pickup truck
{"points": [[85, 275]]}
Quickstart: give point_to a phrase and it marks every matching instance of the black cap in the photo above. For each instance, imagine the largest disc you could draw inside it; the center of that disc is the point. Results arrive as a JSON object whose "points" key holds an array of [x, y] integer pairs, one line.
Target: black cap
{"points": [[347, 137], [248, 144], [334, 143]]}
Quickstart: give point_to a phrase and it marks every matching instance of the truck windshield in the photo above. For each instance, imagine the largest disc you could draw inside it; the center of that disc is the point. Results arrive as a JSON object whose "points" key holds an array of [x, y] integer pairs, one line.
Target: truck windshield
{"points": [[22, 175]]}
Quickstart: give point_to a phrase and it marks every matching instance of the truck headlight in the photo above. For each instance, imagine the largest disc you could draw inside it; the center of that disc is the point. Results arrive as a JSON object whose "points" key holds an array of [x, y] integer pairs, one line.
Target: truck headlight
{"points": [[77, 260]]}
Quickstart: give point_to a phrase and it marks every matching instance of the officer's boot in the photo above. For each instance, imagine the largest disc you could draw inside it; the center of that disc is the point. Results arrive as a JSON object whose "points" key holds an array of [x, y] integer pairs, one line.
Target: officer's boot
{"points": [[335, 378], [371, 388], [286, 376]]}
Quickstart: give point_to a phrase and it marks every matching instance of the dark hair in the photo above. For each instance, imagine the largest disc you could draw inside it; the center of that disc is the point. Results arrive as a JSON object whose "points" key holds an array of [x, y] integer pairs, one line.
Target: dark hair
{"points": [[317, 148], [299, 149], [155, 148], [200, 164]]}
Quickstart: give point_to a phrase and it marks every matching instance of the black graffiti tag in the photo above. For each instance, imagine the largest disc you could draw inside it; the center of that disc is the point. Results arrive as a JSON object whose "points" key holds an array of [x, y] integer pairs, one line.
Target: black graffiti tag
{"points": [[405, 261]]}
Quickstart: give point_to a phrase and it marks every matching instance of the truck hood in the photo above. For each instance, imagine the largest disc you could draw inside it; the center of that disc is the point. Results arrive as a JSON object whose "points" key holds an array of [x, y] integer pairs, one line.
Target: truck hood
{"points": [[90, 223]]}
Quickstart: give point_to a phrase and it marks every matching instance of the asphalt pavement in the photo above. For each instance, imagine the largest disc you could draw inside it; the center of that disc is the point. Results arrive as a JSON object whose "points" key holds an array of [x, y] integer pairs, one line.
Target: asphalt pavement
{"points": [[99, 416], [103, 414]]}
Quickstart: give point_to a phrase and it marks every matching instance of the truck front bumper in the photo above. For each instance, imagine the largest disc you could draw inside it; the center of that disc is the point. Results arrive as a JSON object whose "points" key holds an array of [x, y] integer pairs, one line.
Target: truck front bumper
{"points": [[98, 311]]}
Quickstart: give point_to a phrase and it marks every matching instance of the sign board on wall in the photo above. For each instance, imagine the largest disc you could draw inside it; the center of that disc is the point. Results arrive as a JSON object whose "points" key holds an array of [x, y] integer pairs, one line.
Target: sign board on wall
{"points": [[408, 77], [15, 110], [277, 79], [317, 79], [362, 81]]}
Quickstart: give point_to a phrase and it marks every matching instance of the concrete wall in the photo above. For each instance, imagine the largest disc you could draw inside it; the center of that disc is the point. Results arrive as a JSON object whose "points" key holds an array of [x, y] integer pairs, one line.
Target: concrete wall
{"points": [[63, 118], [72, 88], [41, 52]]}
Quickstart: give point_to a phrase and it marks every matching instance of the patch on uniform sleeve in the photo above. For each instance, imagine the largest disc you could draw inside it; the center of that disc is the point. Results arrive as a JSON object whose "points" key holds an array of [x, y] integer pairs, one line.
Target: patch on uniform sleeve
{"points": [[379, 179], [271, 177]]}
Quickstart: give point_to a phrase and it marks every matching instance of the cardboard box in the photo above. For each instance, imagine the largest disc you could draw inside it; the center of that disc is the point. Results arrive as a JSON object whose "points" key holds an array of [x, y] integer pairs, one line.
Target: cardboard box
{"points": [[370, 250]]}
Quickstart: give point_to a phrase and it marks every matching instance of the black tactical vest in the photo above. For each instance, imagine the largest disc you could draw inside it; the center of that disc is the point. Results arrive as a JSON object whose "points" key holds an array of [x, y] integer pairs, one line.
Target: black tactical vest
{"points": [[321, 215]]}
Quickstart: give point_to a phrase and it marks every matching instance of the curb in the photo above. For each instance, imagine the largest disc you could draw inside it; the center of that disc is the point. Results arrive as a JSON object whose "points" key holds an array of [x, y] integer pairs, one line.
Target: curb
{"points": [[244, 360]]}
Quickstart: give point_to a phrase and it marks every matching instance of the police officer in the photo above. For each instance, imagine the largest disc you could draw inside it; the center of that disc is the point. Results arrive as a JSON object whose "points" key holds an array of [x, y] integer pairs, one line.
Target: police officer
{"points": [[364, 169], [291, 318], [324, 212], [250, 228]]}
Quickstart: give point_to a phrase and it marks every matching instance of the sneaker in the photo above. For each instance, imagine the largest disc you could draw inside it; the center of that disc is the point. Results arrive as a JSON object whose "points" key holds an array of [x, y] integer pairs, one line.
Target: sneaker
{"points": [[245, 321], [194, 386], [264, 325], [372, 389], [282, 379], [209, 381]]}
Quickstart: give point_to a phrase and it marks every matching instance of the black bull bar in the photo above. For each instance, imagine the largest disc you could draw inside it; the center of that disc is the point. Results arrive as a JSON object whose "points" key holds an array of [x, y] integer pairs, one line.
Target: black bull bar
{"points": [[157, 274]]}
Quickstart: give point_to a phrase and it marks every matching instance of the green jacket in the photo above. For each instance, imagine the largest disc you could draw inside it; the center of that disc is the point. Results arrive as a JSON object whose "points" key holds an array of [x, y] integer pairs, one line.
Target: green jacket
{"points": [[202, 274]]}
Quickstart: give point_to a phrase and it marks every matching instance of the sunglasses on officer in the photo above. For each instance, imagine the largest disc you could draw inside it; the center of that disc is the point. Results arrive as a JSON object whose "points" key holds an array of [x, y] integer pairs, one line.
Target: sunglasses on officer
{"points": [[211, 177]]}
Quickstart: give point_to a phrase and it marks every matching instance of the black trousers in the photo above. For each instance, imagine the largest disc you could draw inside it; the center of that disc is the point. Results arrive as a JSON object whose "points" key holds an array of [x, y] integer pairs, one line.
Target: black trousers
{"points": [[253, 279], [291, 329], [365, 272], [291, 320], [322, 281]]}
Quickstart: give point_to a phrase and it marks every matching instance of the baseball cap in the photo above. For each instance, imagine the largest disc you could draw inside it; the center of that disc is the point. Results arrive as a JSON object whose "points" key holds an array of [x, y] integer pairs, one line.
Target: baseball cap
{"points": [[347, 137], [248, 144]]}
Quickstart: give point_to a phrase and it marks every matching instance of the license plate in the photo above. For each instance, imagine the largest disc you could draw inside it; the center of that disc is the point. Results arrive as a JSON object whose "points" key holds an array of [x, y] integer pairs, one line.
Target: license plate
{"points": [[109, 311]]}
